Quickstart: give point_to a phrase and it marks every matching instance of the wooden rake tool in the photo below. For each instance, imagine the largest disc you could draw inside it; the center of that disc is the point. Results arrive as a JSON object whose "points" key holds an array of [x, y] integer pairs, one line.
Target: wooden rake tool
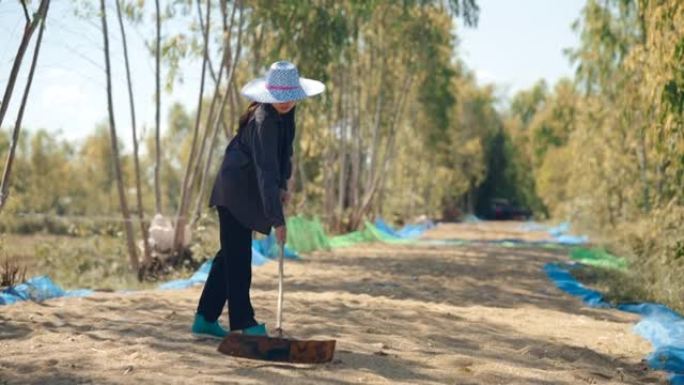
{"points": [[279, 348]]}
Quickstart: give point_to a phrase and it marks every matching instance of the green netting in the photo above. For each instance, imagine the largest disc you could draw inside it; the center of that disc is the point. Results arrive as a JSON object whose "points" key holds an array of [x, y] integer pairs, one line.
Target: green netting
{"points": [[384, 237], [350, 239], [598, 257], [306, 235], [370, 233]]}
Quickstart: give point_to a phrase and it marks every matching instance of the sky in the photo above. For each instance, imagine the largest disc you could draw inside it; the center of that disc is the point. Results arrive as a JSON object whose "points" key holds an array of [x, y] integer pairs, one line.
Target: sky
{"points": [[515, 44]]}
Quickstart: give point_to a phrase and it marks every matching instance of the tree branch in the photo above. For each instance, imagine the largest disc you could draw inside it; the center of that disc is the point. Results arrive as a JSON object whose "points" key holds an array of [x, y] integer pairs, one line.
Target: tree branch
{"points": [[26, 12]]}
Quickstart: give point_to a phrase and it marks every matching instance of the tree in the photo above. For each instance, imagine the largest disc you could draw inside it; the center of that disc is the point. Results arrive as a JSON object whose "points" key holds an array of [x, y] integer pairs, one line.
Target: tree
{"points": [[181, 217], [39, 18], [219, 121], [157, 148], [138, 184], [29, 29], [133, 254]]}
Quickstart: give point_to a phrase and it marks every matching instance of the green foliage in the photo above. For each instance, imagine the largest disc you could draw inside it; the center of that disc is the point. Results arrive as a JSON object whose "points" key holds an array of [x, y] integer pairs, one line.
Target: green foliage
{"points": [[608, 150], [404, 130]]}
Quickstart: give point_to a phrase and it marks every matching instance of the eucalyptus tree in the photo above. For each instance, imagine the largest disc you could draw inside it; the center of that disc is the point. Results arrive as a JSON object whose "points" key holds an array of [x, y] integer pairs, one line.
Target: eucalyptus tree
{"points": [[136, 160], [31, 24], [181, 217], [157, 129], [133, 253], [370, 54], [230, 64], [30, 27]]}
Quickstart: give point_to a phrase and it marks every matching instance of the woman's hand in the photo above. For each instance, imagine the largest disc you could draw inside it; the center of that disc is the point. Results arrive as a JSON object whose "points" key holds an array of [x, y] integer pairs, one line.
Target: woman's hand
{"points": [[285, 197], [281, 234]]}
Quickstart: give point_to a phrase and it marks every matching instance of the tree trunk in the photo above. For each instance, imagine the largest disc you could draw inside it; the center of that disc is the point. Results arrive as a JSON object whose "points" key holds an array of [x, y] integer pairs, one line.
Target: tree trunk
{"points": [[342, 157], [227, 129], [5, 182], [29, 28], [377, 121], [138, 184], [157, 133], [210, 64], [238, 100], [115, 147], [195, 169], [256, 49], [643, 168], [471, 196], [232, 111], [217, 124], [329, 175], [356, 135], [375, 142], [181, 218], [391, 140]]}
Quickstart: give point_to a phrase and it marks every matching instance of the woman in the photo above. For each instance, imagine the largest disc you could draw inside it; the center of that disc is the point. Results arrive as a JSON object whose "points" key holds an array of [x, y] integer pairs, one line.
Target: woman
{"points": [[249, 194]]}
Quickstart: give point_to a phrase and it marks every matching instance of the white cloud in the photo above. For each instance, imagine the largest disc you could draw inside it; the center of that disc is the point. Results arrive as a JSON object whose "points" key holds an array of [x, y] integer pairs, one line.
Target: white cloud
{"points": [[64, 102], [63, 95], [484, 76]]}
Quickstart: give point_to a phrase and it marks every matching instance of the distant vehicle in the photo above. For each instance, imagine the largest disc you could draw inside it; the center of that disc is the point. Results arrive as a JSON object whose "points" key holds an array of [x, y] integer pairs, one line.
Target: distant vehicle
{"points": [[502, 209]]}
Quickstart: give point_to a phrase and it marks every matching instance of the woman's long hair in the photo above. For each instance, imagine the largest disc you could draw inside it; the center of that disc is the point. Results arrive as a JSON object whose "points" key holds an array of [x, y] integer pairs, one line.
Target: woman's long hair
{"points": [[244, 118]]}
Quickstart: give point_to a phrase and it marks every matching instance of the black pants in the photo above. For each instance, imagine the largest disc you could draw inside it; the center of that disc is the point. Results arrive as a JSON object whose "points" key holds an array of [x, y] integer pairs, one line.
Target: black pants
{"points": [[230, 276]]}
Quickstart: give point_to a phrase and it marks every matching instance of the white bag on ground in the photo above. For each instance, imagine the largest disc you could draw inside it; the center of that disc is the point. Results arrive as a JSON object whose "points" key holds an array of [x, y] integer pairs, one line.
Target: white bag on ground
{"points": [[161, 234]]}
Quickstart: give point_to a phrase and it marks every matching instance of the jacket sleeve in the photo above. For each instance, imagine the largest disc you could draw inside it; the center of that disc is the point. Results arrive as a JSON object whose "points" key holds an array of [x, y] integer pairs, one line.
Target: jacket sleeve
{"points": [[286, 161], [264, 143]]}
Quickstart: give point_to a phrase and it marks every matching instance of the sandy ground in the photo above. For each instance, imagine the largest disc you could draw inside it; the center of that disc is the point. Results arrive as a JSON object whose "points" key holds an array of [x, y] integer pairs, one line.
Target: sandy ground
{"points": [[473, 314]]}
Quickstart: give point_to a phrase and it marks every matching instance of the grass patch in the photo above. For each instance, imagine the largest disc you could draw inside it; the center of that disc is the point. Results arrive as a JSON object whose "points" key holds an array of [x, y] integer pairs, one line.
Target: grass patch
{"points": [[653, 245], [616, 285], [12, 271], [97, 262], [643, 282]]}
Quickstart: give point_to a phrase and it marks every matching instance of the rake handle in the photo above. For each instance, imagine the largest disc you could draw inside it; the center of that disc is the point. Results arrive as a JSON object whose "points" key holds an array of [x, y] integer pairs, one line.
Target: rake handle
{"points": [[279, 319]]}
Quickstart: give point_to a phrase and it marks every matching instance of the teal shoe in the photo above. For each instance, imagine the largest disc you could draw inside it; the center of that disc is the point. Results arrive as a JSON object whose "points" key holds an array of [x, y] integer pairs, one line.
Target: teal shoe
{"points": [[202, 327], [256, 330]]}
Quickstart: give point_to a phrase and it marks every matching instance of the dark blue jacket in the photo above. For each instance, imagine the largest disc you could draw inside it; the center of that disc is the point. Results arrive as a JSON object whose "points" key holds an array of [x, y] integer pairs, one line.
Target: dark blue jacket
{"points": [[256, 166]]}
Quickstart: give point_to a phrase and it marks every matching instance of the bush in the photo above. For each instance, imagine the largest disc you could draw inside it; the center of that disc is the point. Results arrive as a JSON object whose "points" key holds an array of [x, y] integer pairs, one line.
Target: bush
{"points": [[56, 225], [655, 249], [12, 272]]}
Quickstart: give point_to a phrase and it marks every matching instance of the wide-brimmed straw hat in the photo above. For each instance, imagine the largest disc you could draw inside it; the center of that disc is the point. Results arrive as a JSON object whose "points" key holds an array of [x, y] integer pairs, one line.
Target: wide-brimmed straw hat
{"points": [[281, 84]]}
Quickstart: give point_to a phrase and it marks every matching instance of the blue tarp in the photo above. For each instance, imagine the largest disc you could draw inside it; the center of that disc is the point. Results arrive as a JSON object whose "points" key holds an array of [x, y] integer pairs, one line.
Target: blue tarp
{"points": [[562, 229], [571, 240], [42, 288], [411, 231], [470, 218], [506, 242], [660, 325], [416, 230], [533, 226], [562, 278], [559, 233], [199, 277], [38, 289], [268, 247], [263, 251], [664, 329]]}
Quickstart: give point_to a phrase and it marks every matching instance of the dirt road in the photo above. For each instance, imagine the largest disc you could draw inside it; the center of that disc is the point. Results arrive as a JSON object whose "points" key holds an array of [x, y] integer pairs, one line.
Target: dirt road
{"points": [[469, 314]]}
